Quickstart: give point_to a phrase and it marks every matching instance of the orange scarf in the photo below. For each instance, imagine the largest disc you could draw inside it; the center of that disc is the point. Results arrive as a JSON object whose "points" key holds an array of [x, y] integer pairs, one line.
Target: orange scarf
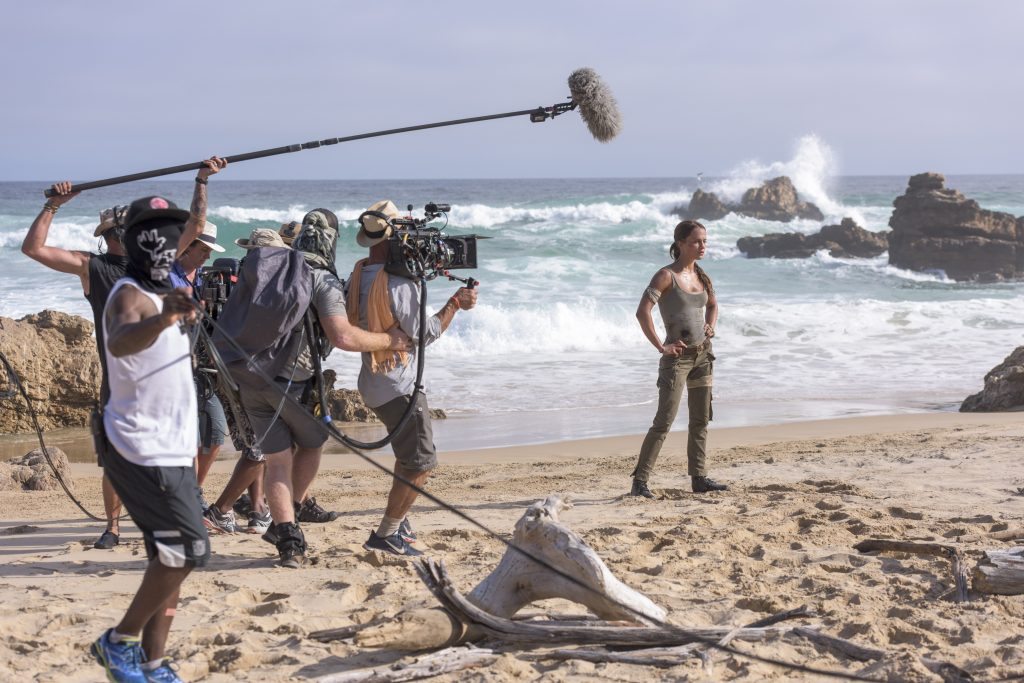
{"points": [[378, 317]]}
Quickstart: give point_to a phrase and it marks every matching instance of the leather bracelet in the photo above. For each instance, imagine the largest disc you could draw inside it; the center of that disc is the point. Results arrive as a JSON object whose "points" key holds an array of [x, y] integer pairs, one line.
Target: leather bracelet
{"points": [[50, 207], [455, 301], [202, 181]]}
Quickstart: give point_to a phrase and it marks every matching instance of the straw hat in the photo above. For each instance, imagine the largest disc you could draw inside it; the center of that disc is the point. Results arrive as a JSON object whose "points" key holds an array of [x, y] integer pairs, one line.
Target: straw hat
{"points": [[289, 231], [209, 237], [375, 223], [261, 237], [111, 218]]}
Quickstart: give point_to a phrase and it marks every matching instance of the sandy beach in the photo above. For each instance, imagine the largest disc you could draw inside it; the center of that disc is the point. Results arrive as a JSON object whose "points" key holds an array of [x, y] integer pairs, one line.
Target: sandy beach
{"points": [[802, 494]]}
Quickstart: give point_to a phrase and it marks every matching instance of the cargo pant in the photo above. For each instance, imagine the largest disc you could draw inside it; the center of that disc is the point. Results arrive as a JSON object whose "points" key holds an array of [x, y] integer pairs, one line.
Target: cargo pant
{"points": [[694, 373]]}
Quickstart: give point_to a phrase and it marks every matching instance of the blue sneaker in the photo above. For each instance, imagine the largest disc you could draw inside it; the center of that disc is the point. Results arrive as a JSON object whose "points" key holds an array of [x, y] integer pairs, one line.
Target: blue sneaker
{"points": [[122, 661], [406, 532], [393, 544], [164, 673]]}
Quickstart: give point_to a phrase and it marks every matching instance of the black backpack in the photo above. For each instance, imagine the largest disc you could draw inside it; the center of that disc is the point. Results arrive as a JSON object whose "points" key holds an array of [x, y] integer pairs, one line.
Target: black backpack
{"points": [[264, 315]]}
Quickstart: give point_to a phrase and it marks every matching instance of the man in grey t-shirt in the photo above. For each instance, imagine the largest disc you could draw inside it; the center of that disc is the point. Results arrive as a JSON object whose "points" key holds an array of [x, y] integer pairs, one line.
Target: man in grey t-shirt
{"points": [[387, 379], [292, 444]]}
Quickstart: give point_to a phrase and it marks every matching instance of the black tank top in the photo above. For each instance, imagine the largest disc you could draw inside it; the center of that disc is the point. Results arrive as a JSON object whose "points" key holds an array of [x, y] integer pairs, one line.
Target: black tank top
{"points": [[104, 271]]}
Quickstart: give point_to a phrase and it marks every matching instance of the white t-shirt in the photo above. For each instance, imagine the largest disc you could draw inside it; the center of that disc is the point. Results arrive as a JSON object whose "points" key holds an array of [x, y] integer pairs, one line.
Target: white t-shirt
{"points": [[151, 417]]}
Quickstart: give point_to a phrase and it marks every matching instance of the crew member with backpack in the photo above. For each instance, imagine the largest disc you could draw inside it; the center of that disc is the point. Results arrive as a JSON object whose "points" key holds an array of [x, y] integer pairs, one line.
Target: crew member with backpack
{"points": [[263, 332]]}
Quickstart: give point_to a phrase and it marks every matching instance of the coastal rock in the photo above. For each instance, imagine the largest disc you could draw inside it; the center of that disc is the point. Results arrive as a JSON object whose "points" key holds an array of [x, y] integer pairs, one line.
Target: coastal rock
{"points": [[31, 472], [1004, 387], [705, 206], [347, 405], [776, 200], [54, 355], [844, 240], [937, 228]]}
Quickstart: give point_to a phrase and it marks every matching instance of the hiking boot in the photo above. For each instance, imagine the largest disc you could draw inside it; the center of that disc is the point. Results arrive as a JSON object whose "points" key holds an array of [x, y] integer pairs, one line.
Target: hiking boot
{"points": [[164, 673], [107, 540], [122, 661], [291, 544], [640, 489], [220, 522], [393, 545], [309, 511], [259, 523], [270, 535], [704, 484], [292, 558], [243, 506], [406, 532]]}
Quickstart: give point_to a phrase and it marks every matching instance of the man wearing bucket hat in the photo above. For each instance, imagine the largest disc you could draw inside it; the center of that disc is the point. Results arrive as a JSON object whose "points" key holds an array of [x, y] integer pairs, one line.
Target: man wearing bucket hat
{"points": [[376, 301], [262, 237], [289, 231]]}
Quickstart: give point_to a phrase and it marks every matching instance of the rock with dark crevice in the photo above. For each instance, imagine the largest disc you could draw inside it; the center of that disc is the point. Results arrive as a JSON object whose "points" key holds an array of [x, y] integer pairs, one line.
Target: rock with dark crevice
{"points": [[33, 472], [846, 240]]}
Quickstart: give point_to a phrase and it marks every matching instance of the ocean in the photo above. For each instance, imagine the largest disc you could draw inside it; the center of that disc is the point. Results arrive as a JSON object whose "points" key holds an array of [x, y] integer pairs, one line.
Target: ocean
{"points": [[553, 350]]}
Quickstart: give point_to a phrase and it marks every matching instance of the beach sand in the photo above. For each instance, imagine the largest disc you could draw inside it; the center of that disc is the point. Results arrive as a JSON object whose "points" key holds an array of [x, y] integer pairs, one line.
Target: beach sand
{"points": [[801, 495]]}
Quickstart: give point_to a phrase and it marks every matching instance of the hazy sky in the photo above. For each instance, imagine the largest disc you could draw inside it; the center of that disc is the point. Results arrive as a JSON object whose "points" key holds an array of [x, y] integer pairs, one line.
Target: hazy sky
{"points": [[892, 87]]}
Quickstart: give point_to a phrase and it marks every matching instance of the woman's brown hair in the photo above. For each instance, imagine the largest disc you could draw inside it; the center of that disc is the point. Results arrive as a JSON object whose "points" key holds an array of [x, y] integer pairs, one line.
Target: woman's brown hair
{"points": [[683, 231]]}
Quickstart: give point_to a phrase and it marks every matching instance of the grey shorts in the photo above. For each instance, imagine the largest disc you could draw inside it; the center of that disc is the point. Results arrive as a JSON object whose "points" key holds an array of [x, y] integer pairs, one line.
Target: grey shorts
{"points": [[414, 445], [293, 425], [213, 425]]}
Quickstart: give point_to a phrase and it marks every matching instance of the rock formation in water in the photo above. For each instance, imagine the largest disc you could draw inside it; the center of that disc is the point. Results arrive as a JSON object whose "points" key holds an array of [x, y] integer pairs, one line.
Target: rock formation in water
{"points": [[935, 228], [845, 240], [1004, 387], [55, 356], [775, 200]]}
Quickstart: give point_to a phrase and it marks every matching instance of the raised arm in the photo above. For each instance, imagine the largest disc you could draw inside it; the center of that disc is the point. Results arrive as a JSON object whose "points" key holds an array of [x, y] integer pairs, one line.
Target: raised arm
{"points": [[62, 260], [197, 211], [661, 281]]}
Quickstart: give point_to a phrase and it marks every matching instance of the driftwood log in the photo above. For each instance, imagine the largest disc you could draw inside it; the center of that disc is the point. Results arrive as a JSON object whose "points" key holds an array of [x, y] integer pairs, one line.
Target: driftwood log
{"points": [[518, 581], [952, 554], [1000, 572]]}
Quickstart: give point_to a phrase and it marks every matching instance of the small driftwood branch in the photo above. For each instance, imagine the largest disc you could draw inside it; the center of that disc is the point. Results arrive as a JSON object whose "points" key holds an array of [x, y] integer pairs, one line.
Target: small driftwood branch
{"points": [[427, 666], [1011, 534], [952, 554], [1000, 572]]}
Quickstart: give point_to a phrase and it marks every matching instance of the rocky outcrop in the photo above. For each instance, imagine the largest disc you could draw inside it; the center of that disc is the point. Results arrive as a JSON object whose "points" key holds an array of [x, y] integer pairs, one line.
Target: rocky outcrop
{"points": [[775, 200], [347, 405], [31, 472], [55, 356], [846, 240], [936, 228], [1004, 387], [705, 206]]}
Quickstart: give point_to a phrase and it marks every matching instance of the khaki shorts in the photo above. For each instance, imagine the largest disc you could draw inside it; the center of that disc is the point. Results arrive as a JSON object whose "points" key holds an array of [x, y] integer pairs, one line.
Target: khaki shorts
{"points": [[414, 445]]}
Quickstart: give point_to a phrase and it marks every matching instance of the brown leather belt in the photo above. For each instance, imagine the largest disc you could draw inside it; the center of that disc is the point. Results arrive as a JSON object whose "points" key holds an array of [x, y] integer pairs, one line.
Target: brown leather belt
{"points": [[694, 350]]}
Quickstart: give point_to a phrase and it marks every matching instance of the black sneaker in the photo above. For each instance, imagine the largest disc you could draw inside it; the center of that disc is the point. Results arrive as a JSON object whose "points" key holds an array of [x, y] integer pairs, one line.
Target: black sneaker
{"points": [[706, 484], [640, 489], [107, 540], [292, 557], [406, 532], [309, 511], [393, 545], [243, 506]]}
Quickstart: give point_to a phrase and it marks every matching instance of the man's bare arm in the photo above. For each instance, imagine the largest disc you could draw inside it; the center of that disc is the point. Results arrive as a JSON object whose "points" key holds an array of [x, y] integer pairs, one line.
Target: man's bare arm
{"points": [[134, 323], [197, 211], [62, 260], [348, 337]]}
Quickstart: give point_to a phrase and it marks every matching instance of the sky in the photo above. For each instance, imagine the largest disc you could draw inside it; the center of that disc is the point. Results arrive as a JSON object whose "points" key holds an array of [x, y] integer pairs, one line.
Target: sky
{"points": [[93, 90]]}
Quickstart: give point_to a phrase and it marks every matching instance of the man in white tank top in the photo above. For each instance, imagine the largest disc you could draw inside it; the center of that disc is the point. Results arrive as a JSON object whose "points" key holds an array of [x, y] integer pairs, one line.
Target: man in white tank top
{"points": [[151, 428]]}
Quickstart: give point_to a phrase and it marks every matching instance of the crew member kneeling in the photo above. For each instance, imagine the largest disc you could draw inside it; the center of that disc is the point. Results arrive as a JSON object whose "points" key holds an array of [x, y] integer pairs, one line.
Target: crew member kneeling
{"points": [[376, 301]]}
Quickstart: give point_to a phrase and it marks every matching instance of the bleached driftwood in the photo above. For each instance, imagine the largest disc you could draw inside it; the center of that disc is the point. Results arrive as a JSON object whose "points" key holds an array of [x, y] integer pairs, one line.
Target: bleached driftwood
{"points": [[956, 559], [1000, 572], [1011, 534], [518, 581], [427, 666]]}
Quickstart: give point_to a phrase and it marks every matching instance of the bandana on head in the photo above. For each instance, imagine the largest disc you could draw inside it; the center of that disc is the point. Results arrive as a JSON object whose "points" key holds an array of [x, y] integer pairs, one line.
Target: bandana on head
{"points": [[152, 247], [318, 239]]}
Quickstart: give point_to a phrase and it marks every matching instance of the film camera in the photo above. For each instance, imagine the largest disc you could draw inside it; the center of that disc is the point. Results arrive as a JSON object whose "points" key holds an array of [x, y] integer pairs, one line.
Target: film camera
{"points": [[421, 251], [218, 279]]}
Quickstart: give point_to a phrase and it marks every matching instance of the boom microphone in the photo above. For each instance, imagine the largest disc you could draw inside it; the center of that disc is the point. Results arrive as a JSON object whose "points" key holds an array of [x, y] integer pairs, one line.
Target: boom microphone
{"points": [[595, 101], [597, 104]]}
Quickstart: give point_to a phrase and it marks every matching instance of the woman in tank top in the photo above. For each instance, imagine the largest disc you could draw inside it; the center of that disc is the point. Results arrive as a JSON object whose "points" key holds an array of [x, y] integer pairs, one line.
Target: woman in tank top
{"points": [[689, 309]]}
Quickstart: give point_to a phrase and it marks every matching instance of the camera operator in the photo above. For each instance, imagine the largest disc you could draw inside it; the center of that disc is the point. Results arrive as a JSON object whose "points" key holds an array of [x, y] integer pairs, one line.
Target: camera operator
{"points": [[292, 442], [377, 300], [98, 273]]}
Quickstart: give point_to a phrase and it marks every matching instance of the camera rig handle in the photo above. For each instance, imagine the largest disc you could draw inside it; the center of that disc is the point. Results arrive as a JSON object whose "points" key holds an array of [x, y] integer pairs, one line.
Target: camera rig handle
{"points": [[468, 281]]}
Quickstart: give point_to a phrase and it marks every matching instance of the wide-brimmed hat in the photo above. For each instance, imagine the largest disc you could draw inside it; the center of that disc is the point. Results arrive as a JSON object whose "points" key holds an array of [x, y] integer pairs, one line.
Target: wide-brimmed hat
{"points": [[375, 225], [261, 237], [148, 208], [114, 217], [289, 231], [209, 237]]}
